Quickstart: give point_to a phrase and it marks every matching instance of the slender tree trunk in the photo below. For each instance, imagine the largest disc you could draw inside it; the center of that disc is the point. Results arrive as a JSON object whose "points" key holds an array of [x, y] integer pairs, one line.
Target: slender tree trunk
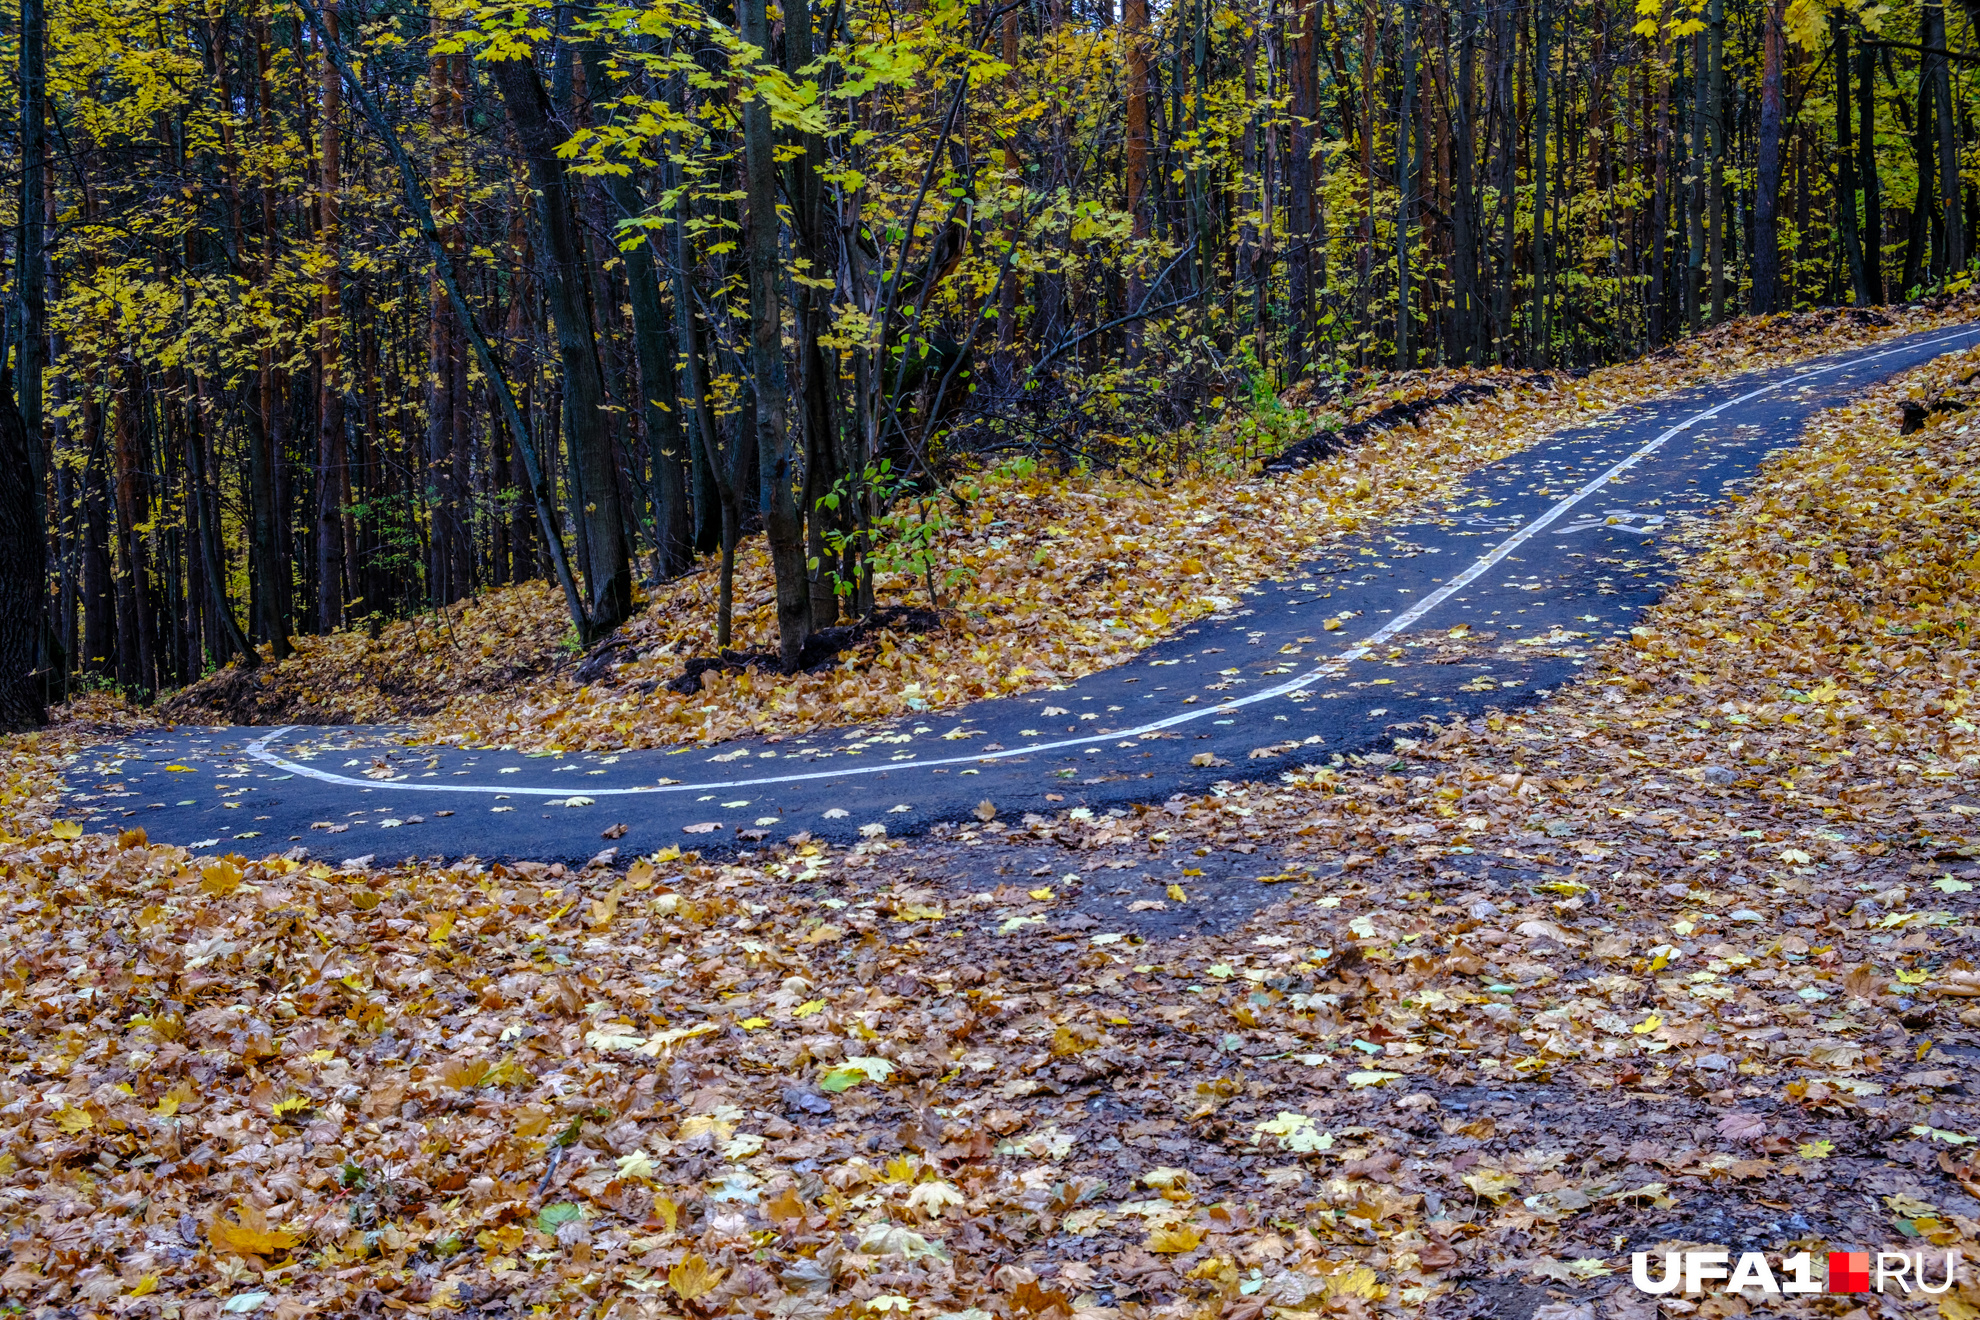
{"points": [[722, 474], [1302, 110], [447, 558], [1918, 242], [1542, 56], [23, 574], [824, 460], [1406, 164], [1134, 31], [1767, 292], [31, 271], [228, 638], [653, 348], [136, 625], [1466, 343], [1697, 194], [333, 481], [783, 524], [1846, 170], [1937, 72], [270, 514], [1866, 146], [99, 630], [607, 566], [1715, 127], [1365, 275]]}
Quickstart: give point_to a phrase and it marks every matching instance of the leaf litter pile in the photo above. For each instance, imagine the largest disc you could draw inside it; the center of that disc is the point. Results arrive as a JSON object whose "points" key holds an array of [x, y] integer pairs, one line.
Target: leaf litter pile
{"points": [[1054, 575], [1682, 957]]}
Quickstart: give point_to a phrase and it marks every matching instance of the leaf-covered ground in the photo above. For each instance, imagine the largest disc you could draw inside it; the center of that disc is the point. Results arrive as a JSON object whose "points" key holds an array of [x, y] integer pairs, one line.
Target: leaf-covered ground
{"points": [[1682, 956], [1056, 576]]}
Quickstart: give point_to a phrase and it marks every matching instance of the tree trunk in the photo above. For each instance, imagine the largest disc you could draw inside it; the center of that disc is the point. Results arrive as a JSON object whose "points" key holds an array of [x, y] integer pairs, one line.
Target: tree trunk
{"points": [[1715, 128], [1918, 241], [333, 480], [1767, 291], [783, 524], [31, 273], [607, 566], [1406, 163], [654, 353], [1465, 339], [1936, 71], [23, 574], [1542, 22], [1846, 171], [1697, 197], [1866, 146], [1303, 109], [271, 514], [825, 462]]}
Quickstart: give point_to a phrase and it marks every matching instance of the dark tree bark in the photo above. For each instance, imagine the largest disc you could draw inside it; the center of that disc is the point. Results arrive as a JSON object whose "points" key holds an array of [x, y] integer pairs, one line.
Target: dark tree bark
{"points": [[654, 352], [1846, 196], [1767, 292], [1406, 166], [31, 285], [1465, 338], [1134, 31], [783, 524], [1936, 72], [333, 476], [1866, 146], [1304, 109], [1542, 24], [607, 565], [1918, 239], [23, 573]]}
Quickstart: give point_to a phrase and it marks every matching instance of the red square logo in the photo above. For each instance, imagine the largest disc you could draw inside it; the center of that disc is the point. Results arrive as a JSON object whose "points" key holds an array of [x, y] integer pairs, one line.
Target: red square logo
{"points": [[1849, 1271]]}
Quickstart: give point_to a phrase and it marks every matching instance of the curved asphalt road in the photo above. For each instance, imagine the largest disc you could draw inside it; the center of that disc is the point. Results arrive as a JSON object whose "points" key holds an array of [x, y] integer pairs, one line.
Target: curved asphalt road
{"points": [[1542, 555]]}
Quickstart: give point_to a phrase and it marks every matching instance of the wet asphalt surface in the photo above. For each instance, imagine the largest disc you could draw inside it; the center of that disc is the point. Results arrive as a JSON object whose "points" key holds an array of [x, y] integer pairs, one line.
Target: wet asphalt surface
{"points": [[1538, 559]]}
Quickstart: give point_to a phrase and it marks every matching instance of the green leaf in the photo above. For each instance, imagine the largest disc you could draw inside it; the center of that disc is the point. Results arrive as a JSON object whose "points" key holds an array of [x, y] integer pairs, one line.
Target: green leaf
{"points": [[854, 1071], [552, 1217]]}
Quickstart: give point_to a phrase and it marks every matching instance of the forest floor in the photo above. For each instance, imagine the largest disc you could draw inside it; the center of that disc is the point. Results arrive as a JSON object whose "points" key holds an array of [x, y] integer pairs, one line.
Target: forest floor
{"points": [[1272, 1051], [1055, 575]]}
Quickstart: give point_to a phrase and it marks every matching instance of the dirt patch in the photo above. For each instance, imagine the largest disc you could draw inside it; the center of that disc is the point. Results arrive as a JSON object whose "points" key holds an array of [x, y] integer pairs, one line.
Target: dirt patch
{"points": [[822, 650], [249, 696]]}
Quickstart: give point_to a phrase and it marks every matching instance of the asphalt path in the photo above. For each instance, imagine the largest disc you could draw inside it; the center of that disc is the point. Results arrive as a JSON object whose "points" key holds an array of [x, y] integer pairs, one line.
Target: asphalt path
{"points": [[1491, 598]]}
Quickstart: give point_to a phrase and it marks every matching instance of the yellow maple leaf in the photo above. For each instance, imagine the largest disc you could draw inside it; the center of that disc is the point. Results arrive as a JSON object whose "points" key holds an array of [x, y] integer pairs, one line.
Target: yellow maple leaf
{"points": [[248, 1234], [1175, 1239], [1359, 1281], [1648, 1025], [692, 1277], [72, 1120], [223, 877], [1492, 1184], [66, 829], [173, 1100]]}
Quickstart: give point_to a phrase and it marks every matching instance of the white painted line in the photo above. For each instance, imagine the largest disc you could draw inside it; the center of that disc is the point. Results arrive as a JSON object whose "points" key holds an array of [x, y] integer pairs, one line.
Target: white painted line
{"points": [[1330, 667]]}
